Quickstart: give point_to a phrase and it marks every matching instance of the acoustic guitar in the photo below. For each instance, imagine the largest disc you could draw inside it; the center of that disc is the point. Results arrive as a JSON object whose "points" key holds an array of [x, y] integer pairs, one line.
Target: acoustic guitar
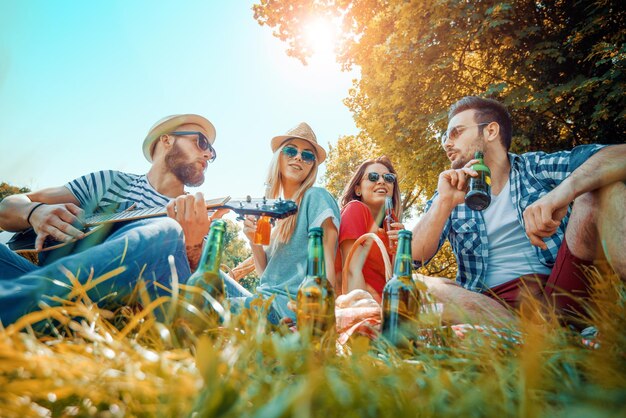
{"points": [[97, 226]]}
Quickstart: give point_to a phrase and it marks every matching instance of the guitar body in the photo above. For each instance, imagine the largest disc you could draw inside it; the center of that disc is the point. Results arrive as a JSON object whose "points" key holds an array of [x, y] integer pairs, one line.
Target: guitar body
{"points": [[98, 227], [23, 243]]}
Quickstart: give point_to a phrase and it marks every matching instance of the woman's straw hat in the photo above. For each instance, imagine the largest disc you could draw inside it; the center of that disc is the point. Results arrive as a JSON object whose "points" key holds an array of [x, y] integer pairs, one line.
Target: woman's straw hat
{"points": [[302, 131]]}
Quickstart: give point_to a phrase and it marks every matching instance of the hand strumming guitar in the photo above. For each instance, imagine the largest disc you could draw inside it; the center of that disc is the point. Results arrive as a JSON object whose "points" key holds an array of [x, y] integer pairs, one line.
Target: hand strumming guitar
{"points": [[58, 221]]}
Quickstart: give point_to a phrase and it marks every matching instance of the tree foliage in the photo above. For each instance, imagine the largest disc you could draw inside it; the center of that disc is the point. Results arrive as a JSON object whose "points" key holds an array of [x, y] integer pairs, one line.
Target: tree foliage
{"points": [[235, 248], [558, 65], [7, 190]]}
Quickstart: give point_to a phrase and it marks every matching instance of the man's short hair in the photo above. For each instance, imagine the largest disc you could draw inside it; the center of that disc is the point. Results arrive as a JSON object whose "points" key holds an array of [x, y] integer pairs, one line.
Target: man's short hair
{"points": [[485, 111]]}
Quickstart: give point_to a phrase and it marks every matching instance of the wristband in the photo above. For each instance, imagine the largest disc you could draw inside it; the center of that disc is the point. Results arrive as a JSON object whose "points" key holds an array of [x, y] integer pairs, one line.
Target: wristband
{"points": [[31, 212]]}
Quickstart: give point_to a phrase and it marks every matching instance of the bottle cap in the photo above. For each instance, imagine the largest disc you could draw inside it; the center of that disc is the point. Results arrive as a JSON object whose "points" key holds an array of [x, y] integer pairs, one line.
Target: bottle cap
{"points": [[405, 233]]}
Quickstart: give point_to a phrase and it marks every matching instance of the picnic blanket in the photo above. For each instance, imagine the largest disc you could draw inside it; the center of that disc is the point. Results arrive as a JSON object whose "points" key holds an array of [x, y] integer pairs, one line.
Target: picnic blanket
{"points": [[357, 313]]}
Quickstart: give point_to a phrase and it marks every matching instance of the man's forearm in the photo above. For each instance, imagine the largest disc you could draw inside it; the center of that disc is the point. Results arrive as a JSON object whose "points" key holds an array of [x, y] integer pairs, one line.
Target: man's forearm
{"points": [[605, 167], [259, 258], [194, 252], [428, 230], [13, 212]]}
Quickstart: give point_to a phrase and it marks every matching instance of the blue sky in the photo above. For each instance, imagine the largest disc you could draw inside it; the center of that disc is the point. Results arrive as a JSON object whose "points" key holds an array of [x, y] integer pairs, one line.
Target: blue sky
{"points": [[81, 82]]}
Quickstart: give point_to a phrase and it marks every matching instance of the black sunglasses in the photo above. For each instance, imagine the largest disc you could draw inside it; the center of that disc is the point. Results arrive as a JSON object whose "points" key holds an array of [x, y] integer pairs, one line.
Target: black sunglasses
{"points": [[387, 177], [307, 156], [201, 140]]}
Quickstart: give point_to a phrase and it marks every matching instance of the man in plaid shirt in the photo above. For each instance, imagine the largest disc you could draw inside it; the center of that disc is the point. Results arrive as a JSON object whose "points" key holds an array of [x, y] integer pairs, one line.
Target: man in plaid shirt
{"points": [[547, 216]]}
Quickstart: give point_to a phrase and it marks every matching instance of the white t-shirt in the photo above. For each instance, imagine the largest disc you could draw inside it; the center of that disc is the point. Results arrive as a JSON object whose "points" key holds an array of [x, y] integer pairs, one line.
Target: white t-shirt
{"points": [[511, 254]]}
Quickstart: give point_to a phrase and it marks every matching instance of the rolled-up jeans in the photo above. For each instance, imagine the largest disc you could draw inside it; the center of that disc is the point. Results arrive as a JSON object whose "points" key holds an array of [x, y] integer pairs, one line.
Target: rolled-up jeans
{"points": [[239, 297], [141, 247]]}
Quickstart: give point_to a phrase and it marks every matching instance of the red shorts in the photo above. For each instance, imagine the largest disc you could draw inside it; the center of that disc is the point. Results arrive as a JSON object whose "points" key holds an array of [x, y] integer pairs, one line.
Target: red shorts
{"points": [[563, 288]]}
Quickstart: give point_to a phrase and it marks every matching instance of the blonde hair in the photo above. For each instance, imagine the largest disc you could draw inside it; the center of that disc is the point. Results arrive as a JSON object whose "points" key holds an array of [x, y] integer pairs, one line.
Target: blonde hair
{"points": [[284, 228]]}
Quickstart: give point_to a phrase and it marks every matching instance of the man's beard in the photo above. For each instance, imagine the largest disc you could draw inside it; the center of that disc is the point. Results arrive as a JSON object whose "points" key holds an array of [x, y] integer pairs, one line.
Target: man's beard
{"points": [[475, 145], [187, 173]]}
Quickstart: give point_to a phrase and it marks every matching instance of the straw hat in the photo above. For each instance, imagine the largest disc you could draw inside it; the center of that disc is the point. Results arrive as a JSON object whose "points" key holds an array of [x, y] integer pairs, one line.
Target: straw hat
{"points": [[302, 131], [170, 123]]}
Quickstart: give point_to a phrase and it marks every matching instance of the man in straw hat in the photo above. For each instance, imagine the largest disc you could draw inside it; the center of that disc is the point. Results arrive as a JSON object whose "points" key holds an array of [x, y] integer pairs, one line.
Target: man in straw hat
{"points": [[179, 148]]}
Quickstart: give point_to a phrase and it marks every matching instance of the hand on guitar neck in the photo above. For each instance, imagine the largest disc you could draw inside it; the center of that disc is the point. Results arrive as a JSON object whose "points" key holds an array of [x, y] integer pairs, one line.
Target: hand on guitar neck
{"points": [[191, 212]]}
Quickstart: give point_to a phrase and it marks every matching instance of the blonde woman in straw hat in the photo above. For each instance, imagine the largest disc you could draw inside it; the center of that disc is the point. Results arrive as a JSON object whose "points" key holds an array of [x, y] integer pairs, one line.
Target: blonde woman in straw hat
{"points": [[282, 264]]}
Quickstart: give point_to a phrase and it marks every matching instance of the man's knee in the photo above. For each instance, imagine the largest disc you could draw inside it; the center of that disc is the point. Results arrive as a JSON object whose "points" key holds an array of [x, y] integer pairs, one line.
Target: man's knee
{"points": [[588, 207], [582, 232], [585, 209]]}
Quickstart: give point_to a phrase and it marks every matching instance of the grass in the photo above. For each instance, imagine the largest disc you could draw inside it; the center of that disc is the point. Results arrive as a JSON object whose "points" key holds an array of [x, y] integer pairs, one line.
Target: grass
{"points": [[95, 362]]}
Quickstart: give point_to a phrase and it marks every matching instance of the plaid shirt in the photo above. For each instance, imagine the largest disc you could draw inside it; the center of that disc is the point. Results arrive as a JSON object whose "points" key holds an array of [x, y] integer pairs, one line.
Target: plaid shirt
{"points": [[532, 176]]}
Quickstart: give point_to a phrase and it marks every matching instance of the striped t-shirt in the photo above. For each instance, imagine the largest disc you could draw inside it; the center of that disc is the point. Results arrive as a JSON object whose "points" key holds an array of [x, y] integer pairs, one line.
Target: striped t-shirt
{"points": [[114, 191]]}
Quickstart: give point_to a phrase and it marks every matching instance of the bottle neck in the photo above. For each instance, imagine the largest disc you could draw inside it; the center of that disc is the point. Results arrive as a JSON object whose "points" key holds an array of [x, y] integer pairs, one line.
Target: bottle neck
{"points": [[316, 266], [403, 263], [480, 165], [212, 254]]}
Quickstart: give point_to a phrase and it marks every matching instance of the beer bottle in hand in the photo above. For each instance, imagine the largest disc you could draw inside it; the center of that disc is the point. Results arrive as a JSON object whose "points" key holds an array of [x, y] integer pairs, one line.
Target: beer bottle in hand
{"points": [[263, 230], [479, 195], [401, 300], [205, 288], [389, 219], [315, 303]]}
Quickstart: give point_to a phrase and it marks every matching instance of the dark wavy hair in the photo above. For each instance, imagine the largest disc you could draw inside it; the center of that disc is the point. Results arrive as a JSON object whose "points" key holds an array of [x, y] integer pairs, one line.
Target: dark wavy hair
{"points": [[349, 192], [486, 111]]}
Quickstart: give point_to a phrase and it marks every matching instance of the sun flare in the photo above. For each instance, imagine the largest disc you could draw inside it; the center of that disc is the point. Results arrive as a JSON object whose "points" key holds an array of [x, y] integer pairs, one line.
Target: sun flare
{"points": [[321, 36]]}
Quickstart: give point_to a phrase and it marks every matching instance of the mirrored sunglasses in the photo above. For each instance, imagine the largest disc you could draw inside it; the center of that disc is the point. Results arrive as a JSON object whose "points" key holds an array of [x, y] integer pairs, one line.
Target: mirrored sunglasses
{"points": [[307, 156], [202, 141], [387, 177]]}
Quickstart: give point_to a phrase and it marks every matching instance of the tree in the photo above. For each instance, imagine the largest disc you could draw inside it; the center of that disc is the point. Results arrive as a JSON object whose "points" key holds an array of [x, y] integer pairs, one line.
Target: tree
{"points": [[558, 65], [235, 248], [7, 190], [344, 159]]}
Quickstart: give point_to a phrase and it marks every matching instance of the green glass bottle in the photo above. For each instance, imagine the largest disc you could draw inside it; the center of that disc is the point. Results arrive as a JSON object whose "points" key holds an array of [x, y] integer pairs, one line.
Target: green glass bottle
{"points": [[315, 303], [389, 219], [206, 280], [401, 300], [478, 196]]}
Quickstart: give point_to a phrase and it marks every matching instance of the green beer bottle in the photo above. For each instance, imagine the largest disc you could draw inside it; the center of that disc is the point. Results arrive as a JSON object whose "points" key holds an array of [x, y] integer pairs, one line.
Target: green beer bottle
{"points": [[479, 195], [401, 299], [389, 219], [315, 303], [206, 280]]}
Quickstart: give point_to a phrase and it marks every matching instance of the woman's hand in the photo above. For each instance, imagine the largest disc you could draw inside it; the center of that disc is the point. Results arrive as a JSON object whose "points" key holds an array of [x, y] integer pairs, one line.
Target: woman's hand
{"points": [[392, 234], [249, 227]]}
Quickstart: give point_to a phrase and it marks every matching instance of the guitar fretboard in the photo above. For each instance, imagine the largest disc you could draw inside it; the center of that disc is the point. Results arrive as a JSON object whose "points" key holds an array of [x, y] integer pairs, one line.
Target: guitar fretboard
{"points": [[102, 218]]}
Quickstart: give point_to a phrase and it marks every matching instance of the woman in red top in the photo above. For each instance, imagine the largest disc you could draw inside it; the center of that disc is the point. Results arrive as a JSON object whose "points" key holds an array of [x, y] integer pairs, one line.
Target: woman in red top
{"points": [[363, 211]]}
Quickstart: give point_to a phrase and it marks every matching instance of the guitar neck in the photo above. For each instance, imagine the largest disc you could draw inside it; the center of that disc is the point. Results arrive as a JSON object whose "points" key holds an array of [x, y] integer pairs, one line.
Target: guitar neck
{"points": [[128, 215], [259, 207], [103, 218]]}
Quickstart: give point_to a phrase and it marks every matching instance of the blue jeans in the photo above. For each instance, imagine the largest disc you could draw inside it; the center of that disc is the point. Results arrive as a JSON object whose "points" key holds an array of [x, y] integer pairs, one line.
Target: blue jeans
{"points": [[239, 297], [141, 247]]}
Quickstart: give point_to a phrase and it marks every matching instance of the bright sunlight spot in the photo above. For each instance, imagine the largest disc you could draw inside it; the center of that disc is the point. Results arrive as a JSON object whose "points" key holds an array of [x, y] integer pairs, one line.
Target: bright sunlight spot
{"points": [[321, 36]]}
